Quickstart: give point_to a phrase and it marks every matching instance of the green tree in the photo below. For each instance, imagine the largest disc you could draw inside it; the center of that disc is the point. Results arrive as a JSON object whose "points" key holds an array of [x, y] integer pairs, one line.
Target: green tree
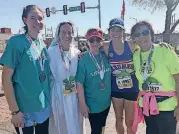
{"points": [[169, 6]]}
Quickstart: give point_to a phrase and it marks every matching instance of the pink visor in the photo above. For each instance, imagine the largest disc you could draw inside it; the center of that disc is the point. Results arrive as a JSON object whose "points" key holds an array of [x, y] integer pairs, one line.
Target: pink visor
{"points": [[95, 33]]}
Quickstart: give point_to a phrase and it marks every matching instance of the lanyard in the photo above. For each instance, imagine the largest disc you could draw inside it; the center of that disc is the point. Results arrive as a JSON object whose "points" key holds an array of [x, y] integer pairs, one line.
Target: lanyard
{"points": [[100, 69], [38, 52], [42, 62], [66, 60], [148, 60]]}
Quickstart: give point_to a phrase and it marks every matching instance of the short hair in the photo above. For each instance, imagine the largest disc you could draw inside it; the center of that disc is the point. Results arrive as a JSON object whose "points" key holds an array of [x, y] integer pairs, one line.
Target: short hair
{"points": [[143, 23]]}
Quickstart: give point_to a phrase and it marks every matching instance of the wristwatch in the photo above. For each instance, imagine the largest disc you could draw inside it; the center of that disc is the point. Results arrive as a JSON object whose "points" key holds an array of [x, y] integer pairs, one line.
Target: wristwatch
{"points": [[15, 112]]}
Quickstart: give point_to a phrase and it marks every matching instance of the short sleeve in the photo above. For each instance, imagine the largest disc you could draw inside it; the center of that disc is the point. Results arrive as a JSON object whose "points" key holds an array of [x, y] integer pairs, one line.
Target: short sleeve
{"points": [[172, 61], [11, 55], [81, 72], [135, 58]]}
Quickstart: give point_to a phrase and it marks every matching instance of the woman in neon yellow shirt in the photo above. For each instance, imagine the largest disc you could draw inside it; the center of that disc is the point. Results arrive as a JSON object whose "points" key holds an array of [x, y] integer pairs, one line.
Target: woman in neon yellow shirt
{"points": [[157, 70]]}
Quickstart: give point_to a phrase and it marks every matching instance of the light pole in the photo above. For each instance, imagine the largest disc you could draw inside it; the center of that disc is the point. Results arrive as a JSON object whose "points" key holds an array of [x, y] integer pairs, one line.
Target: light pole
{"points": [[77, 36], [54, 10], [99, 9]]}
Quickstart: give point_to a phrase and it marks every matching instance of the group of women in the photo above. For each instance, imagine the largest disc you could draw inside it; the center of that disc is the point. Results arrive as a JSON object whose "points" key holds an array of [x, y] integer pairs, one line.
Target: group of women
{"points": [[51, 91]]}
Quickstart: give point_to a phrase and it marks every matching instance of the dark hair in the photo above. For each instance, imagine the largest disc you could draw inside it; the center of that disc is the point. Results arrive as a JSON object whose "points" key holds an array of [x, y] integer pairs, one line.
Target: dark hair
{"points": [[26, 11], [142, 23], [94, 29], [66, 22]]}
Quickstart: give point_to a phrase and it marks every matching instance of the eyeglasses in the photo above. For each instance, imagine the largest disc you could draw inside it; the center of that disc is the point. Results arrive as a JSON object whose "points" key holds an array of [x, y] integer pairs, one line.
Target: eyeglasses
{"points": [[92, 40], [143, 33]]}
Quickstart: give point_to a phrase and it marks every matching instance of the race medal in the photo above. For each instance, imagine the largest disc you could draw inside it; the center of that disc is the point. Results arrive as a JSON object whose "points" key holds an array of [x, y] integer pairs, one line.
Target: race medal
{"points": [[69, 86], [102, 85], [42, 77], [39, 55], [101, 74], [101, 70], [145, 86]]}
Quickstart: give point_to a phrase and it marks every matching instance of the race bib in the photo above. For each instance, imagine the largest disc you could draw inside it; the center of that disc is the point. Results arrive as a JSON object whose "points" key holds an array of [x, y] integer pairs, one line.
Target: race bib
{"points": [[124, 82], [69, 86], [153, 85]]}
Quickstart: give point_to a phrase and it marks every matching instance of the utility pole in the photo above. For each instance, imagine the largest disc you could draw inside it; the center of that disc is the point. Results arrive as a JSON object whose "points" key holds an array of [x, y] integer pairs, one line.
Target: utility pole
{"points": [[99, 10], [77, 36], [52, 31], [45, 32]]}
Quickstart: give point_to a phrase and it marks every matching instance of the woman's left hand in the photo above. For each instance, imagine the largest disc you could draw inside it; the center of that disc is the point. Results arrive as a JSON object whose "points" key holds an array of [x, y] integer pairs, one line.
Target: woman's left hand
{"points": [[176, 112]]}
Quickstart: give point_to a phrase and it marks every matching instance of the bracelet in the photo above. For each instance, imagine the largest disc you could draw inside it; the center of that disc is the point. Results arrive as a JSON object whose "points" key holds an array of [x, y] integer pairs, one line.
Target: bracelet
{"points": [[15, 113]]}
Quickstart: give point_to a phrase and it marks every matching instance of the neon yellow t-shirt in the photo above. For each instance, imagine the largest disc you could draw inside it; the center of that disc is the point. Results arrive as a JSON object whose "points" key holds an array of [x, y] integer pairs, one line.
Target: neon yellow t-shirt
{"points": [[164, 64]]}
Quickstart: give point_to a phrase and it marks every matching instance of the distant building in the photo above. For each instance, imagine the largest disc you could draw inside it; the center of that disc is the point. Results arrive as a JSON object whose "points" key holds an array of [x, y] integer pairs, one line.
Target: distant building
{"points": [[5, 34]]}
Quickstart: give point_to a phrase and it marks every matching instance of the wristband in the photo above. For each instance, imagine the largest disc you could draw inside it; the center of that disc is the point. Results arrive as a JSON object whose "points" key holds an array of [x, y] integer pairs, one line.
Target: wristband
{"points": [[15, 113]]}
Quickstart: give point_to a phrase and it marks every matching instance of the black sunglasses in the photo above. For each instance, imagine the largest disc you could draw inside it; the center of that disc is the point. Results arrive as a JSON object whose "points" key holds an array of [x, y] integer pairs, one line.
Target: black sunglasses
{"points": [[92, 40], [143, 33]]}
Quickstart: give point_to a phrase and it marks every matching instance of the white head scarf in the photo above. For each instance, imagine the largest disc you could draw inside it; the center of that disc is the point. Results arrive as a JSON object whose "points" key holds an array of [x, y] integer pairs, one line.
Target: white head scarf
{"points": [[56, 40]]}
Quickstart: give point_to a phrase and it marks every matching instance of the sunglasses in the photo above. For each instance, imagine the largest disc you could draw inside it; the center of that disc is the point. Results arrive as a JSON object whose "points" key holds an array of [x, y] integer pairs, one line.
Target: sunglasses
{"points": [[92, 40], [143, 33]]}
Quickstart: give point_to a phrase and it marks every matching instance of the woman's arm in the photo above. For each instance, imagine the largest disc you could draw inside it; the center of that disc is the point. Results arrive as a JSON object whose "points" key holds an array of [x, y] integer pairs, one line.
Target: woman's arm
{"points": [[106, 47], [82, 103], [176, 77], [131, 45], [8, 88], [17, 116]]}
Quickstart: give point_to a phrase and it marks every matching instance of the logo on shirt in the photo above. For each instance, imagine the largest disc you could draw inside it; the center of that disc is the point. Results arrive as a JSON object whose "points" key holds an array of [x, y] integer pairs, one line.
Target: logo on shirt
{"points": [[119, 67], [150, 69], [97, 72], [33, 57], [111, 55]]}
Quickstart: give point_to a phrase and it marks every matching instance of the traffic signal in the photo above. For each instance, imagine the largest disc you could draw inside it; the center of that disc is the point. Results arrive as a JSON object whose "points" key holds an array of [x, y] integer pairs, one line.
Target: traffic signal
{"points": [[65, 10], [47, 12], [82, 7]]}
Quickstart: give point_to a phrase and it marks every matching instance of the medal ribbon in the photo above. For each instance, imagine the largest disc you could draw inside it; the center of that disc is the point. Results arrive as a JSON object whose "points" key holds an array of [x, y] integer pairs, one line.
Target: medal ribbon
{"points": [[100, 69], [38, 52], [67, 61], [148, 60]]}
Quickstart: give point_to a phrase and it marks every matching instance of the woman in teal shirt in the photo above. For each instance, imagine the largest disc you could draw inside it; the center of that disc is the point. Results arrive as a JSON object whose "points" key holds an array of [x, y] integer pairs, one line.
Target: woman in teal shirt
{"points": [[93, 83], [25, 75]]}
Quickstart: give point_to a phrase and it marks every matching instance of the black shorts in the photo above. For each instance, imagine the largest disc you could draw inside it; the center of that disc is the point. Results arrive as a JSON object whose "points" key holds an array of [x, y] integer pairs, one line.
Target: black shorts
{"points": [[39, 129], [163, 123], [131, 96], [98, 121]]}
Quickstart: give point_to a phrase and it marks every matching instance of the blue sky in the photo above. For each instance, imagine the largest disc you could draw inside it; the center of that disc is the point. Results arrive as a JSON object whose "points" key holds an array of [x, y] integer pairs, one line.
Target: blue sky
{"points": [[11, 11]]}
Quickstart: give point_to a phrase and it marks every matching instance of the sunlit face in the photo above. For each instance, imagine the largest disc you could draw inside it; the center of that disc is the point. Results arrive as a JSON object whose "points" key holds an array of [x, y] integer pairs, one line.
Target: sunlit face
{"points": [[94, 43], [34, 21], [116, 33], [66, 35], [142, 36]]}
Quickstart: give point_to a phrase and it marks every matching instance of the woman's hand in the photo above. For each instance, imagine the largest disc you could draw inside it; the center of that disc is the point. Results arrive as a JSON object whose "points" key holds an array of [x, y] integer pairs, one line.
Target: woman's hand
{"points": [[176, 113], [84, 109], [17, 120]]}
